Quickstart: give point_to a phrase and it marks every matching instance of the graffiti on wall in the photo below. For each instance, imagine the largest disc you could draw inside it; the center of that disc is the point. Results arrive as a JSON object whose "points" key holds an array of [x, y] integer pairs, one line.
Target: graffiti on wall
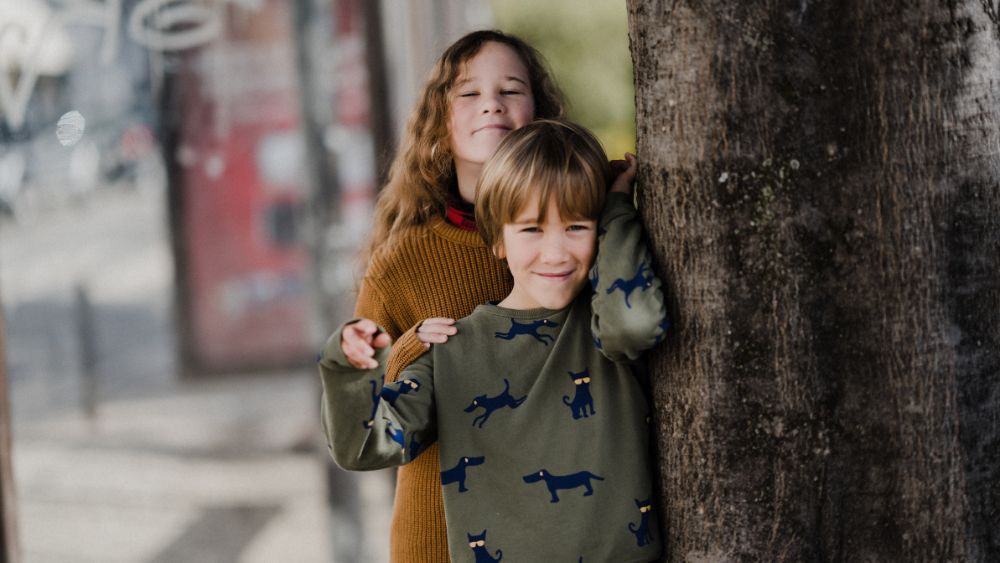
{"points": [[35, 42]]}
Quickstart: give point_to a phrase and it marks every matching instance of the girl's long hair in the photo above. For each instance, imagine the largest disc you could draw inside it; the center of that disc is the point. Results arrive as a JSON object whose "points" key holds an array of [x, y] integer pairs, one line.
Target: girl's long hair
{"points": [[423, 169]]}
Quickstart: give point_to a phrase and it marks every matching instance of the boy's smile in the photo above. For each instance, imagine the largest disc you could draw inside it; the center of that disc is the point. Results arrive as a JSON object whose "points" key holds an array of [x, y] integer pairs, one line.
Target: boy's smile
{"points": [[548, 257]]}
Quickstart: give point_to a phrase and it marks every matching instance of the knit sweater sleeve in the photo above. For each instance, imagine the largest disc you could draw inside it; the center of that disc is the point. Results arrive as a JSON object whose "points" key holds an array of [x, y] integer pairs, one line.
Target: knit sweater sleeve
{"points": [[629, 315], [405, 351], [371, 304], [369, 425]]}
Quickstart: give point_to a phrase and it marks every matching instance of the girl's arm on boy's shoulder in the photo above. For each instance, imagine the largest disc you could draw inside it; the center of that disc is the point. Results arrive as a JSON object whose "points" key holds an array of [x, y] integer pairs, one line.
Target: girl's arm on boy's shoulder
{"points": [[371, 304], [629, 315], [369, 425]]}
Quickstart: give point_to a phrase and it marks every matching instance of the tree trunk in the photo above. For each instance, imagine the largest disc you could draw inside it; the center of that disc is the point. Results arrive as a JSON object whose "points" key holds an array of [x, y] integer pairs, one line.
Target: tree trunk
{"points": [[821, 184]]}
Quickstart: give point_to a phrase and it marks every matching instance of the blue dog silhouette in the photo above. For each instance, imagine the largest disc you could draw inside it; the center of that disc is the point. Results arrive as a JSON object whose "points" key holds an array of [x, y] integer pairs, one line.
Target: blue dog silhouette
{"points": [[457, 474], [415, 446], [403, 387], [556, 482], [643, 535], [478, 544], [490, 404], [531, 329], [582, 399], [664, 325], [396, 434], [643, 278]]}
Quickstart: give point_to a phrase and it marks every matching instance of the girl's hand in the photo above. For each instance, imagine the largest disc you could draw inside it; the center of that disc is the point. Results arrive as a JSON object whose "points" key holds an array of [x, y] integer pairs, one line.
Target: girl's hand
{"points": [[436, 330], [623, 172], [359, 341]]}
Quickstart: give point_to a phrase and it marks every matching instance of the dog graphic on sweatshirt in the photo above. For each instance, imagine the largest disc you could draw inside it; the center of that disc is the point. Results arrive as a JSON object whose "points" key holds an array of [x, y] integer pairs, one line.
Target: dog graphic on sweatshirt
{"points": [[375, 400], [556, 482], [404, 387], [643, 535], [664, 325], [490, 404], [529, 329], [396, 434], [415, 446], [478, 544], [457, 474], [582, 400], [643, 278]]}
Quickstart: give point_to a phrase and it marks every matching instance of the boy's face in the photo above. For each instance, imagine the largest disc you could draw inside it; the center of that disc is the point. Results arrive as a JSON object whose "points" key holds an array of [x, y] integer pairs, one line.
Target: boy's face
{"points": [[549, 257]]}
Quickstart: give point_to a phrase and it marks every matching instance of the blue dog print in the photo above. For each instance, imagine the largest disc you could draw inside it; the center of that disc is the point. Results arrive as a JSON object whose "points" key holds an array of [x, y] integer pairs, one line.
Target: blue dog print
{"points": [[396, 434], [415, 446], [478, 544], [490, 404], [389, 394], [643, 535], [530, 329], [457, 474], [556, 482], [582, 400], [375, 399], [664, 325], [643, 278]]}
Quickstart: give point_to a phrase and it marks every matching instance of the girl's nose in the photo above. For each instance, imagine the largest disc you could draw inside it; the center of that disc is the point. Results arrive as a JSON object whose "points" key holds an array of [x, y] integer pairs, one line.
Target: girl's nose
{"points": [[492, 103]]}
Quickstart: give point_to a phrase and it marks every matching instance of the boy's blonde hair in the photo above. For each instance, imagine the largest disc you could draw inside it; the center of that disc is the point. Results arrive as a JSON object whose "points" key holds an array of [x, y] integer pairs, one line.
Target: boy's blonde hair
{"points": [[548, 159]]}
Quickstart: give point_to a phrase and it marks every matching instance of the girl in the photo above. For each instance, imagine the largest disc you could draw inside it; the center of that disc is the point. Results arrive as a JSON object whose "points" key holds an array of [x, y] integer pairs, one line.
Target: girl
{"points": [[427, 263]]}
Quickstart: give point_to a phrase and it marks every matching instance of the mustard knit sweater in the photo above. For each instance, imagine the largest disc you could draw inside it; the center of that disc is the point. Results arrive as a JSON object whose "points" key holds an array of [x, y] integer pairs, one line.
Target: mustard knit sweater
{"points": [[436, 270]]}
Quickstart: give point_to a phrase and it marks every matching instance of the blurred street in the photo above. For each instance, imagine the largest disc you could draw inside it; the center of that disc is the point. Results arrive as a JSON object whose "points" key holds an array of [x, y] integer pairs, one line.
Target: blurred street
{"points": [[131, 463]]}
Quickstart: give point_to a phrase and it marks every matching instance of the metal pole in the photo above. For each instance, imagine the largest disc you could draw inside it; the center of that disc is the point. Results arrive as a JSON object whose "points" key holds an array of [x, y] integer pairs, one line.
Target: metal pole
{"points": [[9, 549]]}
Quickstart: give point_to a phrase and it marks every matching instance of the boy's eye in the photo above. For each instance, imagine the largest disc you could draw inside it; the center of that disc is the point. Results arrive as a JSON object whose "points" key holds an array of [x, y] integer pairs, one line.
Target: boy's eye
{"points": [[530, 229], [578, 228]]}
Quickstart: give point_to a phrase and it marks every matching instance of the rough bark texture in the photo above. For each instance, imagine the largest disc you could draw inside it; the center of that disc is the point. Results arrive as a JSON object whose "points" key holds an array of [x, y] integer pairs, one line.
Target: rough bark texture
{"points": [[821, 185]]}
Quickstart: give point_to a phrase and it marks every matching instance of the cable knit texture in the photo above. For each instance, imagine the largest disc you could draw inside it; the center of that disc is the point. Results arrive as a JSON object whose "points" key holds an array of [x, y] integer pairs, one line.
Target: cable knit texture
{"points": [[436, 270]]}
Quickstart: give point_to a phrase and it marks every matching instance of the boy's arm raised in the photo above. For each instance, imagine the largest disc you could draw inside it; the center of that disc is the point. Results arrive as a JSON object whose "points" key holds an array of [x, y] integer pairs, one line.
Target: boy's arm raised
{"points": [[368, 425], [629, 315]]}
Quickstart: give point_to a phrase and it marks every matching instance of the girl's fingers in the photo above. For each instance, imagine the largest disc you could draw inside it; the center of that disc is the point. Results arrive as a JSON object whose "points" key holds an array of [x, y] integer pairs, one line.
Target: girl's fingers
{"points": [[356, 342], [436, 330]]}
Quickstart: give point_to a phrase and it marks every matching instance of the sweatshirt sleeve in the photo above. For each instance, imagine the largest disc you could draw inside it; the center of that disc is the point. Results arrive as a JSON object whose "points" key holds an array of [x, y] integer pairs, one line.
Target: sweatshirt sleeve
{"points": [[369, 425], [629, 315]]}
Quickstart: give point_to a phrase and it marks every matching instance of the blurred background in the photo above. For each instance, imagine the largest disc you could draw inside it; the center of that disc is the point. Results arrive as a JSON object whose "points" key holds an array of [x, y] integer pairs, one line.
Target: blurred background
{"points": [[184, 185]]}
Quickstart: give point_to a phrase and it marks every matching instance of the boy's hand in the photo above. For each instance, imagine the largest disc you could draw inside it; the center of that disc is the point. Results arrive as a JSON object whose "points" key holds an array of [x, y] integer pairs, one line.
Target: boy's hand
{"points": [[436, 330], [623, 172], [359, 341]]}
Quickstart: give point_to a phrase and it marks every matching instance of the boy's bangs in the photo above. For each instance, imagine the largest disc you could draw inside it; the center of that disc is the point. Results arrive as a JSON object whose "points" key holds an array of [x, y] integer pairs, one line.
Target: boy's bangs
{"points": [[578, 192]]}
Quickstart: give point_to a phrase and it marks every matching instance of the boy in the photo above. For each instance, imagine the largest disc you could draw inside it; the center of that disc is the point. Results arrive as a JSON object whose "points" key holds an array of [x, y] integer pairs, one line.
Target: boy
{"points": [[535, 403]]}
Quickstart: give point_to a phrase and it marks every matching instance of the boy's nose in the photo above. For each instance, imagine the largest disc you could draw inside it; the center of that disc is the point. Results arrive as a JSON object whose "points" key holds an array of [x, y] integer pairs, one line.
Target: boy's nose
{"points": [[553, 251]]}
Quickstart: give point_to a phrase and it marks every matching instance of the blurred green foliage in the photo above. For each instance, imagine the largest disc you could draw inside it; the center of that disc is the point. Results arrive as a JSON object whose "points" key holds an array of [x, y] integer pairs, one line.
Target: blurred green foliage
{"points": [[586, 45]]}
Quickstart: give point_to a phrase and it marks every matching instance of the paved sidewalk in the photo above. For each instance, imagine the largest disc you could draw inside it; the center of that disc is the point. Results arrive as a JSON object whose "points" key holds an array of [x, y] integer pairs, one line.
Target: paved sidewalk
{"points": [[215, 472]]}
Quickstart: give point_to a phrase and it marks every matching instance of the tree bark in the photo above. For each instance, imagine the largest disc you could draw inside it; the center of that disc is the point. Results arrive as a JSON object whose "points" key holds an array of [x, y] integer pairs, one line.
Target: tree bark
{"points": [[821, 185]]}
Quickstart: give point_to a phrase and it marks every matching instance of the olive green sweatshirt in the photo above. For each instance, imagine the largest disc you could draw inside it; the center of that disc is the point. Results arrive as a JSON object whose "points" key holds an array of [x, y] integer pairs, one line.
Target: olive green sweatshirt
{"points": [[540, 415]]}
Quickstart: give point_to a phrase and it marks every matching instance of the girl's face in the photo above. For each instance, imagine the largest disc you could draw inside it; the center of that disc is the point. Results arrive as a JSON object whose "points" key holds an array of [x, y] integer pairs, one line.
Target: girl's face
{"points": [[491, 97]]}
